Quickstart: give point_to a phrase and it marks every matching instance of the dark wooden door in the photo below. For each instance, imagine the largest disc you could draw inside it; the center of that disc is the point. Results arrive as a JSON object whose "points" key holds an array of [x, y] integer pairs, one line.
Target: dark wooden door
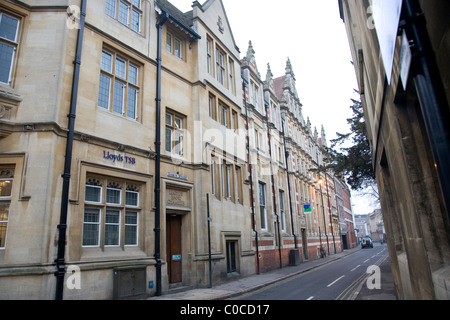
{"points": [[174, 258]]}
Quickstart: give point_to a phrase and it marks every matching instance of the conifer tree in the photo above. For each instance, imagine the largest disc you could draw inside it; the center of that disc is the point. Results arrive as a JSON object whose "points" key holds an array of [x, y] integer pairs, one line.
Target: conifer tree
{"points": [[354, 157]]}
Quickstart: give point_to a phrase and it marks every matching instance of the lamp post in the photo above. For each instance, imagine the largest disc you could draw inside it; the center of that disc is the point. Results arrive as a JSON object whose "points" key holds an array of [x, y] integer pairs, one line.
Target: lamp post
{"points": [[329, 214], [244, 85], [320, 182]]}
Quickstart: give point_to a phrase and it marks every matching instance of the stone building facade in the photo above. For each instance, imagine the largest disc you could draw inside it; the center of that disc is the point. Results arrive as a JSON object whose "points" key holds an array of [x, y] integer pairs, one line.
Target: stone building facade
{"points": [[120, 72], [111, 210], [293, 211], [407, 115], [376, 226]]}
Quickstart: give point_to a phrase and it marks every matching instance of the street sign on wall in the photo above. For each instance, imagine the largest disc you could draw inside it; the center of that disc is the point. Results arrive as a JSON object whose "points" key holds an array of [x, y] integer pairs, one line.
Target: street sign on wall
{"points": [[386, 18]]}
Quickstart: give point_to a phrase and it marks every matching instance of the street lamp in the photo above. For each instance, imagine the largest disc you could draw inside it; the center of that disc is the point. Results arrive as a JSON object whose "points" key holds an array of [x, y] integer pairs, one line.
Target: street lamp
{"points": [[320, 182], [329, 215]]}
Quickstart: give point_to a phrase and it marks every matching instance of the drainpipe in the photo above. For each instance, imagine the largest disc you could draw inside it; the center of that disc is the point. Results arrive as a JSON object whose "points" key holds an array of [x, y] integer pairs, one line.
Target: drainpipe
{"points": [[244, 85], [324, 221], [286, 157], [329, 213], [157, 229], [266, 104], [62, 227]]}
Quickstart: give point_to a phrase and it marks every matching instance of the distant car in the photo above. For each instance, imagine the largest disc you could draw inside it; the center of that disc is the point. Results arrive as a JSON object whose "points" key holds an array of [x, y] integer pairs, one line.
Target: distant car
{"points": [[366, 242]]}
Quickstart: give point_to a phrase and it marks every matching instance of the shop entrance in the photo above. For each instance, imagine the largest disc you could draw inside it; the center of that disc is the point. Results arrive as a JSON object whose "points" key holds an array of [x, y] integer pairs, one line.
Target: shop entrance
{"points": [[173, 242]]}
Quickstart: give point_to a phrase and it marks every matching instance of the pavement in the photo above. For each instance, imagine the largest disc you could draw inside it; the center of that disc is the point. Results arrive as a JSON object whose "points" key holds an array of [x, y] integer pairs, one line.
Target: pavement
{"points": [[247, 284], [387, 291]]}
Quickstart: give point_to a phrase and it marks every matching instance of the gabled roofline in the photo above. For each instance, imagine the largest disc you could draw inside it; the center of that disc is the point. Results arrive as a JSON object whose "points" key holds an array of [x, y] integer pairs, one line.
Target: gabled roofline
{"points": [[203, 7]]}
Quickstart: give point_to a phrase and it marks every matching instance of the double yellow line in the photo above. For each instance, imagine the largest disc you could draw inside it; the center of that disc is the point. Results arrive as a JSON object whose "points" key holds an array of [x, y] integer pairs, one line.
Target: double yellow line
{"points": [[351, 288]]}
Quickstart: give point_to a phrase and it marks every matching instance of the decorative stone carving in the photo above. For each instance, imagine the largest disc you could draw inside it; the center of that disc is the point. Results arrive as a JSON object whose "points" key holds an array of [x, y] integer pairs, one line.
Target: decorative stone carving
{"points": [[220, 25], [9, 101], [5, 112]]}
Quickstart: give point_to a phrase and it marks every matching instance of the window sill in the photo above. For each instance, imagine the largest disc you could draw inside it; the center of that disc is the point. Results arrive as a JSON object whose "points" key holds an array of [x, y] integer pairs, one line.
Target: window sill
{"points": [[111, 253]]}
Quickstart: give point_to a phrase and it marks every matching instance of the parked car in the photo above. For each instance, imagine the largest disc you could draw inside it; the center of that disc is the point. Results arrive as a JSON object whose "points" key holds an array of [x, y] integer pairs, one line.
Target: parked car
{"points": [[366, 242]]}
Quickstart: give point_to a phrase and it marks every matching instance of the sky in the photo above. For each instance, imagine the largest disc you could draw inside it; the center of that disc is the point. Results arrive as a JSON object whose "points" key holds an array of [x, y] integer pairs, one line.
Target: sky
{"points": [[313, 36]]}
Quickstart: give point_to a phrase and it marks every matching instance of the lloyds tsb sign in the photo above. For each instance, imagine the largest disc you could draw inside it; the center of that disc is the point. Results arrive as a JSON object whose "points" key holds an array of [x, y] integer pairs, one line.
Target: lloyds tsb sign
{"points": [[118, 157]]}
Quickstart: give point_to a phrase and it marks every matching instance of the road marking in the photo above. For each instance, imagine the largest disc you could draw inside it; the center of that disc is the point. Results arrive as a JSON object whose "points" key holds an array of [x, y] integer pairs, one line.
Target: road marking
{"points": [[335, 281], [310, 298], [356, 267], [347, 291], [366, 260]]}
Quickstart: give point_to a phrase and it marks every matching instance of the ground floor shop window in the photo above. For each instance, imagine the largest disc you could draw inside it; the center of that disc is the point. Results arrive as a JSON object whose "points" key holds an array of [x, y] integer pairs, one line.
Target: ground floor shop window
{"points": [[111, 213]]}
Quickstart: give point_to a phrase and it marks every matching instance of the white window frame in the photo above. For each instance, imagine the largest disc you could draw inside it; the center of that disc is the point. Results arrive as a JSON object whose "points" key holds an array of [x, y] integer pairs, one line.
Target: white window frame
{"points": [[134, 225], [100, 195], [282, 210], [262, 205], [113, 203], [121, 207], [118, 224], [137, 199], [99, 226], [12, 182]]}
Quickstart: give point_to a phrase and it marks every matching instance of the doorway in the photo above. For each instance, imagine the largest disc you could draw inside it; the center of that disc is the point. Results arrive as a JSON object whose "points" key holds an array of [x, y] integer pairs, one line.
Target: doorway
{"points": [[231, 256], [344, 241], [173, 252], [304, 244]]}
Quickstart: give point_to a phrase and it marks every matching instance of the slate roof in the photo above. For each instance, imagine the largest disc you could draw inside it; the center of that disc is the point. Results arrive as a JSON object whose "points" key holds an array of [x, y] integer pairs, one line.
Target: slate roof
{"points": [[183, 20], [186, 18], [278, 84]]}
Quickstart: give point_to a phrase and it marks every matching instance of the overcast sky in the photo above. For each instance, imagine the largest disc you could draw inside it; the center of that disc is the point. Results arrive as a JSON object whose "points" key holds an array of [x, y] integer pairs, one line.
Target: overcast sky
{"points": [[313, 36]]}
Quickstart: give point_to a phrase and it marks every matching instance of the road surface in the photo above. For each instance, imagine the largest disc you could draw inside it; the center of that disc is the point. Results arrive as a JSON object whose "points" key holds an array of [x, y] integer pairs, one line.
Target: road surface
{"points": [[338, 280]]}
